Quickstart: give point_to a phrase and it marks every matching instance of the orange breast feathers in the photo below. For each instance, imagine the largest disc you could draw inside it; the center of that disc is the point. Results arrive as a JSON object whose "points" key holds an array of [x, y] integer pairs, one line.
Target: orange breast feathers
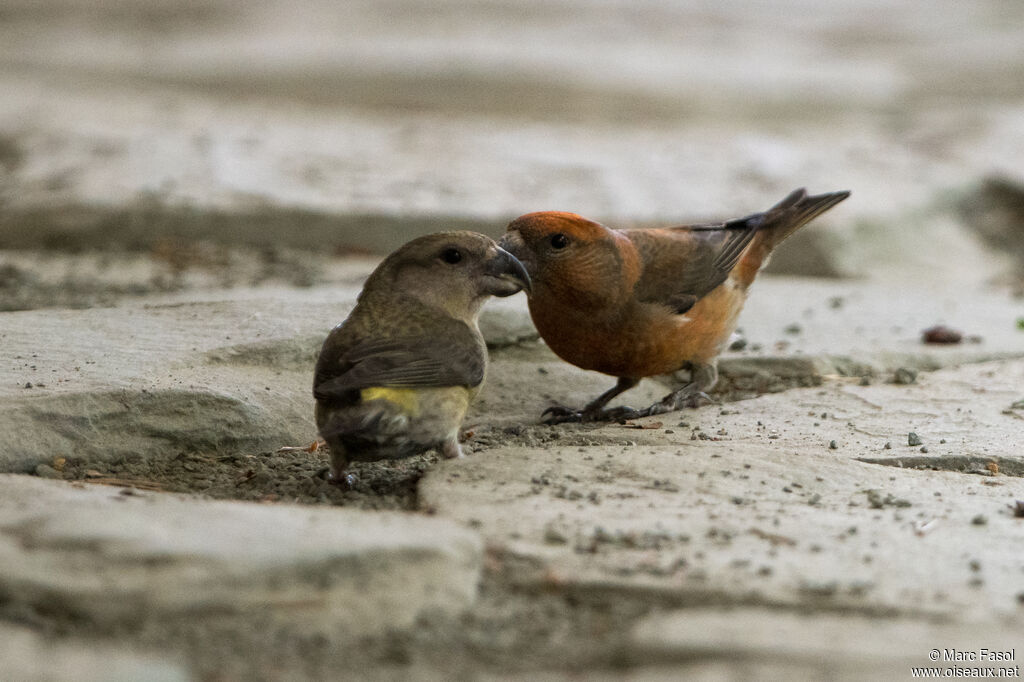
{"points": [[590, 316]]}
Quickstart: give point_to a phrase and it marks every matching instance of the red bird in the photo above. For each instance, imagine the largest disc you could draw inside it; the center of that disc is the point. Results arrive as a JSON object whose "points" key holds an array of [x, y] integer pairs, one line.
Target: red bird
{"points": [[637, 303]]}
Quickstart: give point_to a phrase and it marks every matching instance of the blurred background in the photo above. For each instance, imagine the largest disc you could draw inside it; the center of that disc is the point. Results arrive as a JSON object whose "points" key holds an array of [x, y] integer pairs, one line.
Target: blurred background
{"points": [[160, 145]]}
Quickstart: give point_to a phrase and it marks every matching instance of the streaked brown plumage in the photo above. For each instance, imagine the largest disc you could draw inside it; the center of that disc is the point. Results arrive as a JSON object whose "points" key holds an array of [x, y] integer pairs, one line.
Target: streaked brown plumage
{"points": [[637, 303], [396, 377]]}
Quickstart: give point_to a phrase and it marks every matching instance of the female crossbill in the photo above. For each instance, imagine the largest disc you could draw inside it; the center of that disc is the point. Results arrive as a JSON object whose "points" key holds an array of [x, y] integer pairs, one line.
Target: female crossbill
{"points": [[396, 377]]}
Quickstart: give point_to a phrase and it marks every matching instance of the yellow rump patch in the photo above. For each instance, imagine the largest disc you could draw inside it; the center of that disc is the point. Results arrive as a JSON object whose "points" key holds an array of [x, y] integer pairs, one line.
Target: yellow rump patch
{"points": [[405, 398]]}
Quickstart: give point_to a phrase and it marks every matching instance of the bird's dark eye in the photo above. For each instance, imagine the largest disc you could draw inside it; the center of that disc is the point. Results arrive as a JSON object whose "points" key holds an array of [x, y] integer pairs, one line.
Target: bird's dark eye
{"points": [[451, 256], [559, 241]]}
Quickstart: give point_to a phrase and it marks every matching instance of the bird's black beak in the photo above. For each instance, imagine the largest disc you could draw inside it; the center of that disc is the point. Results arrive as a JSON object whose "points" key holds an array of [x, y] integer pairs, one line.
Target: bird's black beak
{"points": [[506, 275]]}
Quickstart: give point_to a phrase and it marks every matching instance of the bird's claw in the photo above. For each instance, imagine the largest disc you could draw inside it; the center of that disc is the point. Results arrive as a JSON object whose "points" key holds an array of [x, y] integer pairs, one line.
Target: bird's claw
{"points": [[660, 407], [673, 402], [614, 414], [560, 414], [342, 480], [698, 398]]}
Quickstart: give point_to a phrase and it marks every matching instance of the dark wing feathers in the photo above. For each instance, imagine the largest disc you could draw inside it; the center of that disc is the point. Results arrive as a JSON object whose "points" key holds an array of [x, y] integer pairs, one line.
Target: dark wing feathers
{"points": [[738, 234], [454, 358], [681, 303], [682, 264]]}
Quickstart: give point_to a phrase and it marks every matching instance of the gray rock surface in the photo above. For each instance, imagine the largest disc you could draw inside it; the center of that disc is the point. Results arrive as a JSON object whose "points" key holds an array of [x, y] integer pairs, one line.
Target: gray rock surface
{"points": [[842, 646], [116, 560], [27, 657], [742, 505], [749, 506], [232, 373]]}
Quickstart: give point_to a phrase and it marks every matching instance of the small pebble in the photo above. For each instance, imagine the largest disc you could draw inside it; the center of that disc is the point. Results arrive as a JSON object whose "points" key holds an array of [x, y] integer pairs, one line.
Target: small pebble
{"points": [[832, 445], [979, 520], [940, 334], [887, 446], [924, 448], [913, 440]]}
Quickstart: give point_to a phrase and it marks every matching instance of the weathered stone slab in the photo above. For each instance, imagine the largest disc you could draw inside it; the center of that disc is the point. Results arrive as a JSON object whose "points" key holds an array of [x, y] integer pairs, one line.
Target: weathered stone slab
{"points": [[120, 557], [28, 657], [817, 646], [768, 501], [233, 372], [153, 379]]}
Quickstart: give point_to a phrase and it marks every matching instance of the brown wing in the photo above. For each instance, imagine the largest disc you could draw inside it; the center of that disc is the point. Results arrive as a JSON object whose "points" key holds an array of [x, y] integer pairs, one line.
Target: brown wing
{"points": [[453, 357], [682, 264]]}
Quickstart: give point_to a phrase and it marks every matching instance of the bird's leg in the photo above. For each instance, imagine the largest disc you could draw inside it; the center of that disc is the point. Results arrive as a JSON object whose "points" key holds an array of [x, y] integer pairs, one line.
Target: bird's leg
{"points": [[450, 448], [595, 410], [703, 377], [339, 463]]}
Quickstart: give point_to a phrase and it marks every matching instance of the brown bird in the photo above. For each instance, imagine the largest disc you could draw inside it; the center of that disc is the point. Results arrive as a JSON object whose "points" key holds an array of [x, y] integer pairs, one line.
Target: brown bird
{"points": [[396, 377], [638, 303]]}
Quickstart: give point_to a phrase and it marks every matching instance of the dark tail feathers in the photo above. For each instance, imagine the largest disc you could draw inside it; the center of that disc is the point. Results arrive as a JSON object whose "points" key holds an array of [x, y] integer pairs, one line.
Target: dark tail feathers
{"points": [[795, 211], [780, 221]]}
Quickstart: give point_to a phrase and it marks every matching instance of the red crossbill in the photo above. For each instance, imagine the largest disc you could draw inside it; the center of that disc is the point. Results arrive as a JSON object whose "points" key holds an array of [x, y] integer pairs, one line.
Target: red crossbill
{"points": [[396, 377], [637, 303]]}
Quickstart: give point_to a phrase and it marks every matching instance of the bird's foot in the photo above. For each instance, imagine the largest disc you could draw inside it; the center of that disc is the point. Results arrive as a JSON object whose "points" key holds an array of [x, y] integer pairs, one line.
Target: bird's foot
{"points": [[698, 399], [559, 414], [345, 481], [679, 400], [451, 449], [660, 407], [613, 414]]}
